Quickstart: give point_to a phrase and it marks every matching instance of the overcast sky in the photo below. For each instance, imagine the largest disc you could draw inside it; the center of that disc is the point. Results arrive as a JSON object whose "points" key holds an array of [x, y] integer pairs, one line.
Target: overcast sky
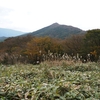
{"points": [[31, 15]]}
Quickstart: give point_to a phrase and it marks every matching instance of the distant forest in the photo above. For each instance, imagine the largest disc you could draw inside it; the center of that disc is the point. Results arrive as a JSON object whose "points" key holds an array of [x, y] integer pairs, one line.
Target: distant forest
{"points": [[30, 49]]}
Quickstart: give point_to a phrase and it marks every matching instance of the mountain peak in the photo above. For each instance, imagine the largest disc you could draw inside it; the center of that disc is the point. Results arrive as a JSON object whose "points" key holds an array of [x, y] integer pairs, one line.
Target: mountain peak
{"points": [[55, 23], [57, 31]]}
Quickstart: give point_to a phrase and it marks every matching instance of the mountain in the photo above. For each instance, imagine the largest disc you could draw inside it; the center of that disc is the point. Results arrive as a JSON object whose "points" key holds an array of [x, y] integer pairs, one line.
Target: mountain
{"points": [[9, 32], [2, 38], [56, 30]]}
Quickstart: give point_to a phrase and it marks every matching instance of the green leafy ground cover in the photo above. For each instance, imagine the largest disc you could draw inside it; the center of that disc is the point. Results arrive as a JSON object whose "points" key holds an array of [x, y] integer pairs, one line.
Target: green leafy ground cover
{"points": [[50, 82]]}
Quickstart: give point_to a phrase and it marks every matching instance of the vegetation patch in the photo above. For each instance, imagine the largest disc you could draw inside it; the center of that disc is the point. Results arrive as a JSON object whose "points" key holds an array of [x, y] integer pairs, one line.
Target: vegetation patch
{"points": [[55, 81]]}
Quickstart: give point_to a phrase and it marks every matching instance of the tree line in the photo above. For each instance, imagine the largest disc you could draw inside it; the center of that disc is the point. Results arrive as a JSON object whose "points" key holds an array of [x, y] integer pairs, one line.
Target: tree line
{"points": [[32, 49]]}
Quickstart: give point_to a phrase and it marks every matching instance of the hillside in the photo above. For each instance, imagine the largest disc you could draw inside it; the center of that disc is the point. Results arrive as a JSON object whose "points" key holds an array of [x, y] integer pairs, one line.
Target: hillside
{"points": [[2, 38], [56, 30], [9, 32]]}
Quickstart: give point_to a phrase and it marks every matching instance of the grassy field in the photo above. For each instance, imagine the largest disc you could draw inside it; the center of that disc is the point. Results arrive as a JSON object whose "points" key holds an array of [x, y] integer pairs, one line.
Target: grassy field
{"points": [[50, 81]]}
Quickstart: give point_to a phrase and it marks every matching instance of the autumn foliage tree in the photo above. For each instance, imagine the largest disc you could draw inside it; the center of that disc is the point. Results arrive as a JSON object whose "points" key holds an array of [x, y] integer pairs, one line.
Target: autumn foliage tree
{"points": [[42, 45], [31, 49], [92, 42], [12, 48], [73, 44]]}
